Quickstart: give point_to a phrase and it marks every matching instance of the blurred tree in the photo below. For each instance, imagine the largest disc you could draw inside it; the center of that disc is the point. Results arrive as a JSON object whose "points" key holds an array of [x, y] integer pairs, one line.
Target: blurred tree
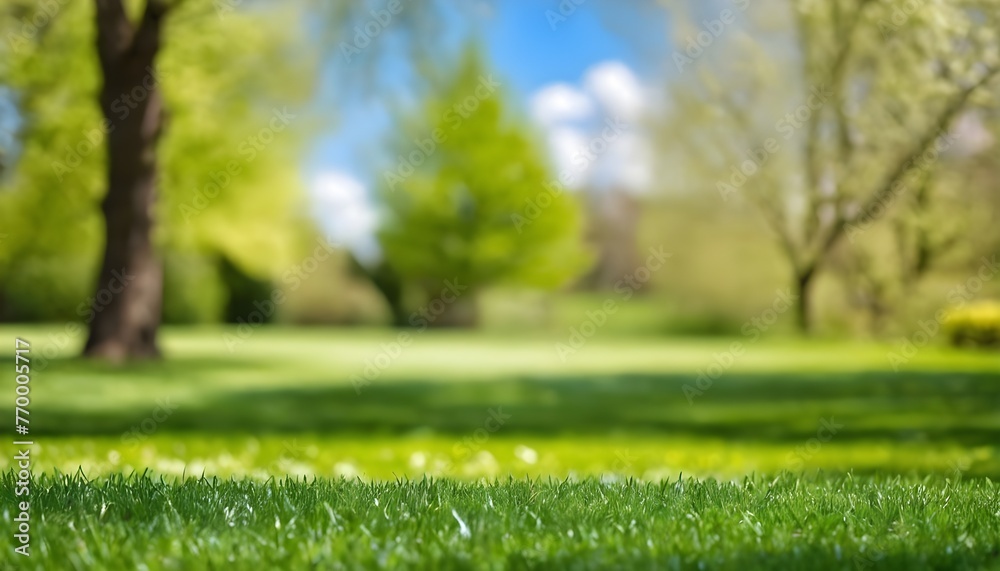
{"points": [[470, 204], [389, 285], [614, 225], [927, 231], [216, 170], [211, 177], [822, 149], [126, 326], [244, 291]]}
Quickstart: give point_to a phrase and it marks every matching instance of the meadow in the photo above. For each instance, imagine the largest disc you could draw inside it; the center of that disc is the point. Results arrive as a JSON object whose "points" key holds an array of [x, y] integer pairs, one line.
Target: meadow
{"points": [[489, 450]]}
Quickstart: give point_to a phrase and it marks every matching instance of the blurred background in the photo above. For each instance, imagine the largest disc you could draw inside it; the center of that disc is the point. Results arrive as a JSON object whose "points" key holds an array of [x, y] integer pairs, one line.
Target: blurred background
{"points": [[633, 122], [399, 190]]}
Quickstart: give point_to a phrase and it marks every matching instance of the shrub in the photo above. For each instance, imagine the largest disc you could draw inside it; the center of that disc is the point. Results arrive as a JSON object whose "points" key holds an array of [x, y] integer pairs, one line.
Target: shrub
{"points": [[976, 324]]}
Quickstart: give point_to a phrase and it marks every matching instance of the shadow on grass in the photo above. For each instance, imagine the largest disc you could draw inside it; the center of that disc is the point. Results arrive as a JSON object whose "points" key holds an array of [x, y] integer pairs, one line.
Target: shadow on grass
{"points": [[959, 407]]}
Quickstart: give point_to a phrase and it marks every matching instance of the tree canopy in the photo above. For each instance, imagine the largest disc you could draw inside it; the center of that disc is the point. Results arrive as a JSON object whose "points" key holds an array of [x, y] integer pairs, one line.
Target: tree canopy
{"points": [[471, 198], [228, 184]]}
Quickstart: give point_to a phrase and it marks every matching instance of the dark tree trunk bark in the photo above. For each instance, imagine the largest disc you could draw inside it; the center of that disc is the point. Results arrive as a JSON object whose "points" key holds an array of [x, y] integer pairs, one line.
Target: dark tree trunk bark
{"points": [[400, 317], [462, 313], [128, 301], [389, 285], [803, 288]]}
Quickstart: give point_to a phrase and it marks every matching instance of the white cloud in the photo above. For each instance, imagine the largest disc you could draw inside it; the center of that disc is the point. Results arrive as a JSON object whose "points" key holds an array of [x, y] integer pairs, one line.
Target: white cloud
{"points": [[573, 117], [346, 214], [560, 102], [565, 144], [617, 88], [632, 160]]}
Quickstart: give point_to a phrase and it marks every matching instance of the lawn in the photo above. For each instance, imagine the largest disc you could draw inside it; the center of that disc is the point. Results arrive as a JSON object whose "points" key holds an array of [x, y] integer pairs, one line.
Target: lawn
{"points": [[782, 523], [849, 462]]}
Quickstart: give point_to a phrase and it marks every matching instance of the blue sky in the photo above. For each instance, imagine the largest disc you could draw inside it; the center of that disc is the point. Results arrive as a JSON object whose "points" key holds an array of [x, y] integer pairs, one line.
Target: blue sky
{"points": [[527, 50], [588, 61]]}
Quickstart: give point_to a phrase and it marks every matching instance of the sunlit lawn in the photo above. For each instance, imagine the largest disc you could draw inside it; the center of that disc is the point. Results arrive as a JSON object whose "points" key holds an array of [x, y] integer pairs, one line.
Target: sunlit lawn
{"points": [[601, 460], [485, 405]]}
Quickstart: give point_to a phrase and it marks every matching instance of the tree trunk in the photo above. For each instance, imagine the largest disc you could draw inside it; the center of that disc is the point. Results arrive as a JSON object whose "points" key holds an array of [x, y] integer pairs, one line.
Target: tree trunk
{"points": [[128, 301], [803, 289], [390, 285], [400, 317], [462, 313]]}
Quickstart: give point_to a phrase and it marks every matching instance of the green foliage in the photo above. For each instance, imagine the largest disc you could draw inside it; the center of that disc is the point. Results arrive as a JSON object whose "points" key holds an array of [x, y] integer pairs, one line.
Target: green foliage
{"points": [[49, 251], [244, 292], [236, 88], [976, 324], [465, 212], [192, 289], [830, 118], [218, 102], [48, 289]]}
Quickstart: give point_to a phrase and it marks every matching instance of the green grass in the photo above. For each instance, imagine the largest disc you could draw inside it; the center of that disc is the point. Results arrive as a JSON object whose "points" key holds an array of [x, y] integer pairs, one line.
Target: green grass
{"points": [[373, 457], [904, 482], [782, 523], [616, 398]]}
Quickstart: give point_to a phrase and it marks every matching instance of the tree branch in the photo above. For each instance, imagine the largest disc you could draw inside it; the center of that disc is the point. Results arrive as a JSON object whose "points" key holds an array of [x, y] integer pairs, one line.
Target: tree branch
{"points": [[812, 127], [775, 218], [838, 76], [905, 163], [147, 38], [114, 32]]}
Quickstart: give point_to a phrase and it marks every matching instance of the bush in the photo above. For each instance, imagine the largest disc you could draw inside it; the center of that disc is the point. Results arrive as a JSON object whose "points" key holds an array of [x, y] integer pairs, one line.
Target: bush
{"points": [[192, 289], [49, 289], [977, 324]]}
